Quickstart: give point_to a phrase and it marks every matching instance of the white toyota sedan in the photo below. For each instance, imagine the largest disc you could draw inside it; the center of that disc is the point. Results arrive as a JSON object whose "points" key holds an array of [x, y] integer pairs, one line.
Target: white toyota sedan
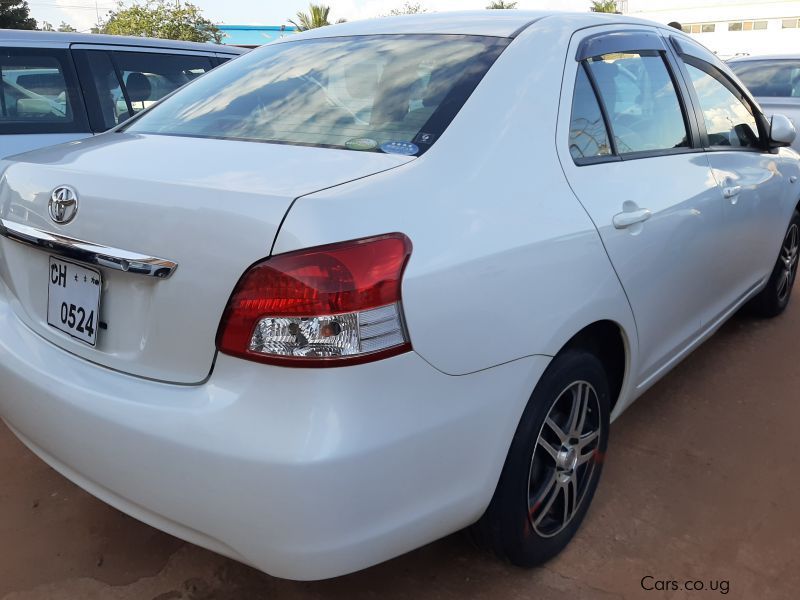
{"points": [[382, 281]]}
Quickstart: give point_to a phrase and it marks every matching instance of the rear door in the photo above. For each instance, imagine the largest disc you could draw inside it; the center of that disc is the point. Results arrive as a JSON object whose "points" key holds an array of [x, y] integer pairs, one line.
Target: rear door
{"points": [[124, 81], [40, 100], [735, 135], [634, 161]]}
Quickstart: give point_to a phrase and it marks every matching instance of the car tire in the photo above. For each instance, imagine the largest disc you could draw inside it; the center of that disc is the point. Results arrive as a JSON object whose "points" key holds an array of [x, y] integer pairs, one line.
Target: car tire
{"points": [[545, 490], [774, 298]]}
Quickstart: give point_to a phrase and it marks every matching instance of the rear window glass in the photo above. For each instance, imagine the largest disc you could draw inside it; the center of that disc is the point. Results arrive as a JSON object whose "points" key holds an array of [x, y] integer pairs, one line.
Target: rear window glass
{"points": [[588, 137], [38, 92], [770, 78], [641, 101], [391, 93]]}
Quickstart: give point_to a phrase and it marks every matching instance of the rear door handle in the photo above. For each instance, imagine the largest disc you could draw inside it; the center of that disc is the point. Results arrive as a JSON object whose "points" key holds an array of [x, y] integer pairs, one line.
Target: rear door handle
{"points": [[732, 191], [628, 218]]}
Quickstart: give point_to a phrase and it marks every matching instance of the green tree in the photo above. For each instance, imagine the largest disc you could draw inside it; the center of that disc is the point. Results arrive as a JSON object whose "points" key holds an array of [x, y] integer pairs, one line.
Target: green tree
{"points": [[162, 19], [501, 4], [46, 27], [66, 27], [407, 9], [16, 14], [604, 6], [317, 16]]}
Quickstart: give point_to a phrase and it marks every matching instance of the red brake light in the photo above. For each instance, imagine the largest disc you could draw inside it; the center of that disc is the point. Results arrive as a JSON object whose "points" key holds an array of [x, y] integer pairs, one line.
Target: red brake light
{"points": [[325, 306]]}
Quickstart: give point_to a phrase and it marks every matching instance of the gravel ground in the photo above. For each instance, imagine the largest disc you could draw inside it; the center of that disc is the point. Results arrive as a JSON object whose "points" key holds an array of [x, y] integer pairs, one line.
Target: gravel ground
{"points": [[702, 483]]}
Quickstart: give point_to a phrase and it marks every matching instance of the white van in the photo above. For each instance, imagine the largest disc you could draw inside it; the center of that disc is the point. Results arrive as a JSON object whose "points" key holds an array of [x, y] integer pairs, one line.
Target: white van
{"points": [[59, 87]]}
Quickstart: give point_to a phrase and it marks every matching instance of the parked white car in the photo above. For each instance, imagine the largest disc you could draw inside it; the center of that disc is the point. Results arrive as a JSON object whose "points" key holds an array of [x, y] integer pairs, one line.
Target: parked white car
{"points": [[381, 281], [60, 87], [775, 83]]}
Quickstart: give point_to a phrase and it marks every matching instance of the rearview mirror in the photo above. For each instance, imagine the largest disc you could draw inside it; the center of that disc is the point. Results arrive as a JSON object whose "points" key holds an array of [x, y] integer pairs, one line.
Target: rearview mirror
{"points": [[781, 131]]}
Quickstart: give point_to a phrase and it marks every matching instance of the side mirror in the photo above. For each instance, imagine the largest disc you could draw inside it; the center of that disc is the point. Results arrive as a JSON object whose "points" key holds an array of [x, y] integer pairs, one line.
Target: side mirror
{"points": [[781, 131]]}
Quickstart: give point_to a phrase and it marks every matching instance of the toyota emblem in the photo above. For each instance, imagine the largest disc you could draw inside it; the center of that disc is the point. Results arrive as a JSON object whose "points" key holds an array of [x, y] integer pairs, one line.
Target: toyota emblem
{"points": [[63, 204]]}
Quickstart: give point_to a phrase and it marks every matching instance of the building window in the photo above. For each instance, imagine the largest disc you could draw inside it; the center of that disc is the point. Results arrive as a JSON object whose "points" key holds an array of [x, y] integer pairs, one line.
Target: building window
{"points": [[789, 23], [699, 28], [748, 25]]}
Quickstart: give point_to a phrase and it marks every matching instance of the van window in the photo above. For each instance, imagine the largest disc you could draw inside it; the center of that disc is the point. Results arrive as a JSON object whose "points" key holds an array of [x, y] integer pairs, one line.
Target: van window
{"points": [[39, 92], [149, 77], [124, 83], [103, 88]]}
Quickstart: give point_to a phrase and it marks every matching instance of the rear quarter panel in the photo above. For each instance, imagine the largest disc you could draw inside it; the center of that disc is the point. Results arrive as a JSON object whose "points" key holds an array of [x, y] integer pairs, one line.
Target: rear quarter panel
{"points": [[506, 263]]}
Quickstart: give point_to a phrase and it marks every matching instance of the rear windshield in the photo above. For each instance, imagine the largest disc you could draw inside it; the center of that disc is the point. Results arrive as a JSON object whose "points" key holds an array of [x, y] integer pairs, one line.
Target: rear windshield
{"points": [[387, 93], [770, 78]]}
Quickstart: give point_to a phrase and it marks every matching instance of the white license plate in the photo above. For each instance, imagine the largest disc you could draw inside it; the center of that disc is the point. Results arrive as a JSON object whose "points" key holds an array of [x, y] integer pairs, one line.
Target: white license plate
{"points": [[73, 300]]}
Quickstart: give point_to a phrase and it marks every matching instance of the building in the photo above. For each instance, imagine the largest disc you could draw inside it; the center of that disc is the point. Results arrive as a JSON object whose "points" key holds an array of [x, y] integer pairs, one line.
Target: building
{"points": [[729, 27], [253, 35]]}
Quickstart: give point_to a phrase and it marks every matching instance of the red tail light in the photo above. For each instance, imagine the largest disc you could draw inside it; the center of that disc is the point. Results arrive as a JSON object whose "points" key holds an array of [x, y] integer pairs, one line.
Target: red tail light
{"points": [[326, 306]]}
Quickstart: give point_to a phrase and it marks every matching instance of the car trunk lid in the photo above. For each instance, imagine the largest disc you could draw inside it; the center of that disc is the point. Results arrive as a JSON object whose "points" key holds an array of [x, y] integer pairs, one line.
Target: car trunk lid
{"points": [[213, 207]]}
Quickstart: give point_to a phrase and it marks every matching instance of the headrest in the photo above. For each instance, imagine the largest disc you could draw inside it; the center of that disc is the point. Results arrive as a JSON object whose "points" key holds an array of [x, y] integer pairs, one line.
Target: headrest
{"points": [[362, 80], [138, 86]]}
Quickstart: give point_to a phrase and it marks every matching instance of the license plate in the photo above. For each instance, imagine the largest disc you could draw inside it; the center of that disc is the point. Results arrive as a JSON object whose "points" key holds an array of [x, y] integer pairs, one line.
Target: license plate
{"points": [[73, 300]]}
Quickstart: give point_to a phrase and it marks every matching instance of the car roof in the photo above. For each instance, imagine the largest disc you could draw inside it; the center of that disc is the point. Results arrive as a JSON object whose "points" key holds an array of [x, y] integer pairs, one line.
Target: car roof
{"points": [[497, 23], [57, 37], [766, 57]]}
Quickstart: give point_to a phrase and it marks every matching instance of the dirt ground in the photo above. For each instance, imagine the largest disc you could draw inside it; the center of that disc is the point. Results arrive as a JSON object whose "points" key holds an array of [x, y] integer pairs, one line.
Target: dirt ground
{"points": [[702, 483]]}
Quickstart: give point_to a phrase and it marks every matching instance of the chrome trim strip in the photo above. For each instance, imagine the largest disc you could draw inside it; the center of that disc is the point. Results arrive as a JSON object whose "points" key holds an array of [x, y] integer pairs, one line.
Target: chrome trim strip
{"points": [[87, 252]]}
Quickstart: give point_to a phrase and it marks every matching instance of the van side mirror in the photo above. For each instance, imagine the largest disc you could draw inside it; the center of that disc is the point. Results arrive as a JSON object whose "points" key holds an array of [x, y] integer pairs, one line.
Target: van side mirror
{"points": [[781, 131]]}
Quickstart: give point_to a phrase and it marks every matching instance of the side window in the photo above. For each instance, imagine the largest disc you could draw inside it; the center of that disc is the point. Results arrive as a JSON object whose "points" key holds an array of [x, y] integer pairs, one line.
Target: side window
{"points": [[587, 131], [123, 83], [769, 78], [149, 77], [641, 102], [106, 91], [729, 120], [38, 92]]}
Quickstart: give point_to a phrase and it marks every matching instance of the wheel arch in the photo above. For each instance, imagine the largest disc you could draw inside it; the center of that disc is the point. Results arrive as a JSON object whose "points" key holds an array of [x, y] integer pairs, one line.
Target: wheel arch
{"points": [[608, 341]]}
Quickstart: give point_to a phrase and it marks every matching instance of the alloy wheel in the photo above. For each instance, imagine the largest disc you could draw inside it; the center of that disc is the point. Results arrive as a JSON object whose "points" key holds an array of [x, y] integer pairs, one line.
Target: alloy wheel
{"points": [[788, 260], [565, 459]]}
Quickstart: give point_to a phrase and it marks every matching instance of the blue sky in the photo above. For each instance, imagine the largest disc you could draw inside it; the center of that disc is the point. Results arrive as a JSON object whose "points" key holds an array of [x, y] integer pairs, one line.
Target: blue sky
{"points": [[82, 13]]}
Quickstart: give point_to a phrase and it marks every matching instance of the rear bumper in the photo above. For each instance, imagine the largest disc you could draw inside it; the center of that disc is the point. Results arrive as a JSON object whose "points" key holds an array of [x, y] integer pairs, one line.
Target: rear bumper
{"points": [[305, 474]]}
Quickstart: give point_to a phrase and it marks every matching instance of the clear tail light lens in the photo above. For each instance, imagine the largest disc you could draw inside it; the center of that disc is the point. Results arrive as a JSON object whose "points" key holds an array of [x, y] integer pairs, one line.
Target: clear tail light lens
{"points": [[327, 306]]}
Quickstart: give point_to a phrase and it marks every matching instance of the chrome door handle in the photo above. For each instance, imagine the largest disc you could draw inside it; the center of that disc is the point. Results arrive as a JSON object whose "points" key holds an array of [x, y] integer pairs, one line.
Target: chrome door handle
{"points": [[731, 192], [88, 252], [628, 218]]}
